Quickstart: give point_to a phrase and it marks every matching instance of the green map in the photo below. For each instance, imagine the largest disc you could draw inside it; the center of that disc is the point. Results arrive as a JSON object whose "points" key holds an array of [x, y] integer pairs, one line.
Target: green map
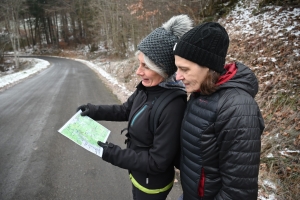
{"points": [[85, 132]]}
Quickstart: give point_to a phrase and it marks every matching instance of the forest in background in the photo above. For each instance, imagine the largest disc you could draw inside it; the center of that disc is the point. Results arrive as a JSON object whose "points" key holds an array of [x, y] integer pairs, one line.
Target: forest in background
{"points": [[112, 29], [115, 25]]}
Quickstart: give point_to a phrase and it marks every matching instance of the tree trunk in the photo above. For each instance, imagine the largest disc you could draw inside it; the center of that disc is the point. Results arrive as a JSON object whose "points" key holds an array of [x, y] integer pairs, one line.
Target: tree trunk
{"points": [[80, 29], [36, 31], [74, 32], [56, 30], [65, 31], [50, 28], [31, 33], [12, 24], [26, 35], [44, 25]]}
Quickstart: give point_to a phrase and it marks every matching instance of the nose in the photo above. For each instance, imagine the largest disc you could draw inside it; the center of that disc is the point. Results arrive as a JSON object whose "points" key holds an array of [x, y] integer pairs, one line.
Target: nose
{"points": [[179, 76], [139, 71]]}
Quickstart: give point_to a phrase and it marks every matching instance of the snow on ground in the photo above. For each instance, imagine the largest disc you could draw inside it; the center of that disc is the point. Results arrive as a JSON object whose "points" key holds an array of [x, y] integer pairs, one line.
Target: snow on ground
{"points": [[274, 20], [13, 78], [119, 89]]}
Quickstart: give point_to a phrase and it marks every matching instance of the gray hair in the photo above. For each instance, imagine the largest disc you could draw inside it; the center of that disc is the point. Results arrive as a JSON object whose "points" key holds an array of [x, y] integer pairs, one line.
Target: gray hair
{"points": [[152, 65]]}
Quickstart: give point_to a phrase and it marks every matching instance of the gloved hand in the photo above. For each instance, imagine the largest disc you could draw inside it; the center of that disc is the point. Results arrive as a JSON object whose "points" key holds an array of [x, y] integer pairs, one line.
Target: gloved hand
{"points": [[86, 111], [111, 153], [103, 145]]}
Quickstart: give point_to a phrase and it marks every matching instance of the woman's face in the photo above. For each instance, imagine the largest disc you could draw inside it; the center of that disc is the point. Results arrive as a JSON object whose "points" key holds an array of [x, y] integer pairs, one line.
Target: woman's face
{"points": [[190, 73], [149, 77]]}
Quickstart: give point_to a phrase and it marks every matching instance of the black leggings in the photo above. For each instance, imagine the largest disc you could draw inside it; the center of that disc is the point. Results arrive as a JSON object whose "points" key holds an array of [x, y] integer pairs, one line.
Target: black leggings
{"points": [[139, 195]]}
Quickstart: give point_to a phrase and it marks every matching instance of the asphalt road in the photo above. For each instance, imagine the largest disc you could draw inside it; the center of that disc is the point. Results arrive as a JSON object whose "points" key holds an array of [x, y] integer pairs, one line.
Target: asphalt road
{"points": [[37, 162]]}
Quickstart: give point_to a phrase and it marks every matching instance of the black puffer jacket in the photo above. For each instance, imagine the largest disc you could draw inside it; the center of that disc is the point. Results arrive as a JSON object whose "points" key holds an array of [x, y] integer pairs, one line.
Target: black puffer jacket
{"points": [[147, 155], [221, 141]]}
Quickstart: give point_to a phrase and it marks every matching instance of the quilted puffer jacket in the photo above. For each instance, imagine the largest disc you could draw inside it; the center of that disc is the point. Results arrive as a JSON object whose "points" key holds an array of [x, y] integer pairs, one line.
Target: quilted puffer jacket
{"points": [[221, 140]]}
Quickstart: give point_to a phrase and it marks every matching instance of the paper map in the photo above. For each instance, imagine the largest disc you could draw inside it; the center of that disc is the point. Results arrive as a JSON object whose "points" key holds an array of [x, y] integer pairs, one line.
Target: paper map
{"points": [[85, 132]]}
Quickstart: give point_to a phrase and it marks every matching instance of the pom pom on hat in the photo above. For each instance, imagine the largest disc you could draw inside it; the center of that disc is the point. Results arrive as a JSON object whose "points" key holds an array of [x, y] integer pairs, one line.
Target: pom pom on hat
{"points": [[206, 45], [158, 45]]}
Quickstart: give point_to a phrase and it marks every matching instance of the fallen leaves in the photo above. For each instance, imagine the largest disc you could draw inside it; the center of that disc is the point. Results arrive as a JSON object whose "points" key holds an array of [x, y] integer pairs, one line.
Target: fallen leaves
{"points": [[297, 141]]}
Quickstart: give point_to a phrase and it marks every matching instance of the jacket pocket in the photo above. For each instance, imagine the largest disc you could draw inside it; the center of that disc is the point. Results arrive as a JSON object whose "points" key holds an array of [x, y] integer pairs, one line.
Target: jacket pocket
{"points": [[201, 184]]}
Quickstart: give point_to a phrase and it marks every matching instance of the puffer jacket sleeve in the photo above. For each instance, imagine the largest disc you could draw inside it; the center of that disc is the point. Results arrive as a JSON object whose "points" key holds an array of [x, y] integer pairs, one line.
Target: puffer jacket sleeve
{"points": [[113, 112], [165, 144], [239, 126]]}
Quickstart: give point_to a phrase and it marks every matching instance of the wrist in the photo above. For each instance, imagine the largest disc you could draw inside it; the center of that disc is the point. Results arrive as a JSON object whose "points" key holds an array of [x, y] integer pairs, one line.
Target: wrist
{"points": [[92, 110]]}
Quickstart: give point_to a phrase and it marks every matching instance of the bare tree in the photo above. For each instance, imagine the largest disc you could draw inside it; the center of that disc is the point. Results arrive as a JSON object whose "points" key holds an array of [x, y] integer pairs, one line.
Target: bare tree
{"points": [[118, 25], [12, 24]]}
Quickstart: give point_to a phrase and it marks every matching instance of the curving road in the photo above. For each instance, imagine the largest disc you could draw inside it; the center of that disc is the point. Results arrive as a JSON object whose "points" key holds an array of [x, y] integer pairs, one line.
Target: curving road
{"points": [[37, 162]]}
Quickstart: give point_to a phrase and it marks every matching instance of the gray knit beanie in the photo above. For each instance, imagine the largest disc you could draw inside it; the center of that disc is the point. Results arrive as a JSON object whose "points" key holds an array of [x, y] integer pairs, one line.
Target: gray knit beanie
{"points": [[206, 45], [158, 45]]}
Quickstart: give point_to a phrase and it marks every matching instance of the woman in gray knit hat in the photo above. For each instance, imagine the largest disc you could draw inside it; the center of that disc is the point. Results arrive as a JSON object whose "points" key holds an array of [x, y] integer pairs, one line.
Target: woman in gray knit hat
{"points": [[222, 126], [150, 154]]}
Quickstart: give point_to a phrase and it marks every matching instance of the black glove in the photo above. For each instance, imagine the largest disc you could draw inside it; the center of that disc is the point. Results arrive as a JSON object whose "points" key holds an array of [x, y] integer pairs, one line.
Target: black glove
{"points": [[111, 153], [86, 111], [103, 145]]}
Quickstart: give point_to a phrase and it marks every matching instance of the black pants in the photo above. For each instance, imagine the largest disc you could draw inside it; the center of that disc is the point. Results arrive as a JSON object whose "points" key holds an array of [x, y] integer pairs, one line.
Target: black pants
{"points": [[139, 195]]}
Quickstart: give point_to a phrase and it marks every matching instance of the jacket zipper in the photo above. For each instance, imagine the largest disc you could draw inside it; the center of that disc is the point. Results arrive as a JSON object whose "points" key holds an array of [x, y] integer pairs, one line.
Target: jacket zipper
{"points": [[189, 106], [133, 120], [184, 117]]}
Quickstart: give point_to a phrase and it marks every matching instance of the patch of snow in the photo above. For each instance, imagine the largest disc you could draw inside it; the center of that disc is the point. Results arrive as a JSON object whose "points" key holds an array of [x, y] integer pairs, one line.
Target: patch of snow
{"points": [[270, 184], [15, 77], [120, 89], [270, 155]]}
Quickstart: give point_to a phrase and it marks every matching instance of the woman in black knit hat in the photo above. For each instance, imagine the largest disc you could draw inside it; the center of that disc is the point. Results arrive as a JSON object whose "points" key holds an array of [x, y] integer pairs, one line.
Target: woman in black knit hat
{"points": [[222, 125], [149, 156]]}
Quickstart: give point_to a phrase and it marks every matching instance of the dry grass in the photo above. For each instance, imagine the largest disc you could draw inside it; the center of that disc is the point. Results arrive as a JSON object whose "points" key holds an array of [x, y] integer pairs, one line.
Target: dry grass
{"points": [[277, 67]]}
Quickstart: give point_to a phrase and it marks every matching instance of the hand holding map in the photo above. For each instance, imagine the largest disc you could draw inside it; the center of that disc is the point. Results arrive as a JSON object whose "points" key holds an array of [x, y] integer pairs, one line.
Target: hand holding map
{"points": [[85, 132]]}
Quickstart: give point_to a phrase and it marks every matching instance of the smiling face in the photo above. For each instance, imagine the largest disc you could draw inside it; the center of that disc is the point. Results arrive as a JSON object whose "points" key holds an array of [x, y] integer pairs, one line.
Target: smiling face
{"points": [[149, 77], [190, 73]]}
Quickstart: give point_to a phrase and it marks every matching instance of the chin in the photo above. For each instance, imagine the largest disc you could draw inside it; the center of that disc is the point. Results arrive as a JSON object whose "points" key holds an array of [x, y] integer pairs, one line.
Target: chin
{"points": [[146, 85], [189, 90]]}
